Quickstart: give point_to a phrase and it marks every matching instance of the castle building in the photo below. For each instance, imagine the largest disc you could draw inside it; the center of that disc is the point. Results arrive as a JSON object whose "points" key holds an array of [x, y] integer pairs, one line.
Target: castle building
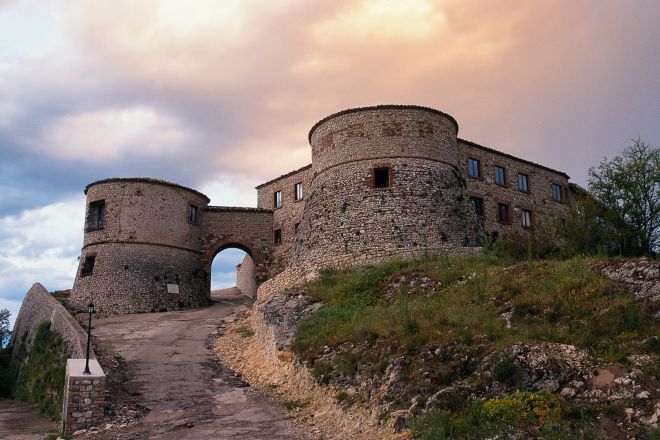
{"points": [[385, 182]]}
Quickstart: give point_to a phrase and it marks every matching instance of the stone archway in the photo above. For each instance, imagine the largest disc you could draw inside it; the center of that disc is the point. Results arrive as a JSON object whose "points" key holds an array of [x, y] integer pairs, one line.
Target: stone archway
{"points": [[248, 229], [261, 263]]}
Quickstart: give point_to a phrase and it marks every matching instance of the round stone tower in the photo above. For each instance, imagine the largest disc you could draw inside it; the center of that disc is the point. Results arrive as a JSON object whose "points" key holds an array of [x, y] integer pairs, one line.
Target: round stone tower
{"points": [[386, 184], [141, 250]]}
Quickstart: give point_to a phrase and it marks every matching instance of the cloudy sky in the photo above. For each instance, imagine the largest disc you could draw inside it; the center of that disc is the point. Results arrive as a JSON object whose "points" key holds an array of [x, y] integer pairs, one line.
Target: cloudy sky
{"points": [[220, 95]]}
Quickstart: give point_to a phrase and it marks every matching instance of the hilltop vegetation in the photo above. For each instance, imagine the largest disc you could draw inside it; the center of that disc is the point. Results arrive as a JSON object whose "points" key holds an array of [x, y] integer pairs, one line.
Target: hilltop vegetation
{"points": [[473, 346]]}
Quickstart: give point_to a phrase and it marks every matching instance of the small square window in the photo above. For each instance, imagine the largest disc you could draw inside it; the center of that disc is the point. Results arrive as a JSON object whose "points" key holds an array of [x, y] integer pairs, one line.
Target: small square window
{"points": [[478, 205], [193, 214], [556, 192], [474, 168], [297, 191], [277, 199], [500, 176], [523, 182], [277, 236], [88, 266], [526, 218], [503, 213], [95, 216], [382, 177]]}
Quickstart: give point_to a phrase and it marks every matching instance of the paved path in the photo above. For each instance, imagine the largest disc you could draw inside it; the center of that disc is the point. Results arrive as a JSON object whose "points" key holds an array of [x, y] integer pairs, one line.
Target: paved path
{"points": [[19, 421], [188, 394]]}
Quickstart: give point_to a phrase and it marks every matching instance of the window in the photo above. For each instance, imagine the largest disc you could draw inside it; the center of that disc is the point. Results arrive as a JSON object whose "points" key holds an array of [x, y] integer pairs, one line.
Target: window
{"points": [[523, 182], [295, 227], [297, 191], [381, 177], [556, 192], [88, 266], [500, 176], [503, 213], [526, 218], [277, 236], [478, 205], [193, 214], [95, 216], [277, 199], [473, 168]]}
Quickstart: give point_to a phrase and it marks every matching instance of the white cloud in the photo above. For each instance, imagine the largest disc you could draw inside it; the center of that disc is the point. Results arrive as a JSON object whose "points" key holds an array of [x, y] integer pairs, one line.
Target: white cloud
{"points": [[40, 245], [231, 190], [113, 134]]}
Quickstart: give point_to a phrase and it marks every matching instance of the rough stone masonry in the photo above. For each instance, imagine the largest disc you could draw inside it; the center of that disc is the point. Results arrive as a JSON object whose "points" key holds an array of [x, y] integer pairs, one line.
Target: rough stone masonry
{"points": [[389, 181]]}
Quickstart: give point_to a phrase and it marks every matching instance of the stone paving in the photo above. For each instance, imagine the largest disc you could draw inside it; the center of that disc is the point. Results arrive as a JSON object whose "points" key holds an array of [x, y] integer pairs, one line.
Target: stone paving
{"points": [[188, 393]]}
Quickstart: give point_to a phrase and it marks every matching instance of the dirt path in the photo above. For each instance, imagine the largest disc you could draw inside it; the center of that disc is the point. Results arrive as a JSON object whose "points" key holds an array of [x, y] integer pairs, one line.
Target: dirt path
{"points": [[188, 394], [19, 421]]}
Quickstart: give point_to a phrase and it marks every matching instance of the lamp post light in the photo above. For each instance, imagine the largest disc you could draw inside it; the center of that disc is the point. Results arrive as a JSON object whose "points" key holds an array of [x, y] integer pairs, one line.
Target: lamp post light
{"points": [[90, 310]]}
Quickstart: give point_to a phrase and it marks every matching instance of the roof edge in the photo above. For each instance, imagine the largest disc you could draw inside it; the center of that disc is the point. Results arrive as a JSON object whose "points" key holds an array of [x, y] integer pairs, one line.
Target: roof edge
{"points": [[381, 107], [236, 209], [511, 156], [283, 176], [146, 180]]}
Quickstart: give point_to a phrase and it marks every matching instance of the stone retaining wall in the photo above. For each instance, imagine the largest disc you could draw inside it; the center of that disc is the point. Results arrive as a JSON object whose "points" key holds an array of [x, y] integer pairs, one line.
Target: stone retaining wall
{"points": [[38, 306], [245, 280]]}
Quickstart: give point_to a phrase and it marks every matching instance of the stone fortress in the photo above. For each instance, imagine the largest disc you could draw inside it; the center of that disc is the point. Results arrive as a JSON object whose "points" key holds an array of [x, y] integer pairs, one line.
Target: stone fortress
{"points": [[390, 181]]}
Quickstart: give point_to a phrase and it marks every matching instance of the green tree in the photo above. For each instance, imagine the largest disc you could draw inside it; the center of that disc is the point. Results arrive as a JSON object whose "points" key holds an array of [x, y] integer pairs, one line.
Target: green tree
{"points": [[585, 232], [5, 332], [628, 187]]}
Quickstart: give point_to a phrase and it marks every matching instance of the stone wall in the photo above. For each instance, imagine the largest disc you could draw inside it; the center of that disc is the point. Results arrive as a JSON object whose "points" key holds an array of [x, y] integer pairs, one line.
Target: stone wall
{"points": [[538, 200], [423, 208], [146, 251], [84, 396], [154, 247], [245, 279], [38, 306], [288, 215], [248, 229]]}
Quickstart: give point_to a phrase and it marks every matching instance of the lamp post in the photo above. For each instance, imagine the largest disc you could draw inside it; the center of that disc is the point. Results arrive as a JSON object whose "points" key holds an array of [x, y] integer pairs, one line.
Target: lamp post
{"points": [[90, 310]]}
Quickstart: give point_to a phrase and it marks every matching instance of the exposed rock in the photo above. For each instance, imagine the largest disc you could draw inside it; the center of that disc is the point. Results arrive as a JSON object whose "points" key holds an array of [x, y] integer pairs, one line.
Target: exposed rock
{"points": [[283, 311], [567, 392], [643, 275], [542, 367]]}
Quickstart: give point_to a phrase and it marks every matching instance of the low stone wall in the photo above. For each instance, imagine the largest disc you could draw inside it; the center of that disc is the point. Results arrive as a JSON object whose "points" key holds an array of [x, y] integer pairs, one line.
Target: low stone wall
{"points": [[38, 306], [245, 277], [84, 396]]}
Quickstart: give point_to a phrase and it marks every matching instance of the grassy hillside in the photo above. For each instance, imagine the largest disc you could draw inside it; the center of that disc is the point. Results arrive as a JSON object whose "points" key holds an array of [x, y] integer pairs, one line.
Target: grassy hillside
{"points": [[451, 346]]}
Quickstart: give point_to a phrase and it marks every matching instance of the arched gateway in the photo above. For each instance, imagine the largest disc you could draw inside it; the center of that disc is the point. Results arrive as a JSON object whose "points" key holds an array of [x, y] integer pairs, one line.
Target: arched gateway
{"points": [[149, 245]]}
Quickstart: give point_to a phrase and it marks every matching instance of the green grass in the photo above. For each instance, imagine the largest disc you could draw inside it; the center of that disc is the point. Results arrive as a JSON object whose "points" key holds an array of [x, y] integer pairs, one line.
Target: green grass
{"points": [[41, 378], [370, 317], [295, 404], [244, 332], [554, 301], [527, 414]]}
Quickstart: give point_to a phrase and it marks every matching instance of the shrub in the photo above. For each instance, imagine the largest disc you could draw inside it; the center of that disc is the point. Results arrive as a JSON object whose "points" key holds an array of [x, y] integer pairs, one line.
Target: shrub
{"points": [[41, 378], [523, 409]]}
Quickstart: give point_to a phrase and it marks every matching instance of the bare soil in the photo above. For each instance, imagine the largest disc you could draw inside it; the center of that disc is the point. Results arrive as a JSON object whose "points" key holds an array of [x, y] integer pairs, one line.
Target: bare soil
{"points": [[166, 383]]}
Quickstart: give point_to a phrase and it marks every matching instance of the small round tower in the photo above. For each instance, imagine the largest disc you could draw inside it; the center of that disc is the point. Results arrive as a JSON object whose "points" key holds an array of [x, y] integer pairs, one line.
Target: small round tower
{"points": [[141, 251], [386, 184]]}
